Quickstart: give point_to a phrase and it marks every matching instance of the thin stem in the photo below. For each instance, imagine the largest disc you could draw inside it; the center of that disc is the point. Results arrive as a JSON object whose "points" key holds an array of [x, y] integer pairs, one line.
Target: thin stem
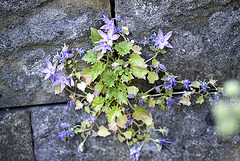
{"points": [[130, 105], [74, 92], [151, 58]]}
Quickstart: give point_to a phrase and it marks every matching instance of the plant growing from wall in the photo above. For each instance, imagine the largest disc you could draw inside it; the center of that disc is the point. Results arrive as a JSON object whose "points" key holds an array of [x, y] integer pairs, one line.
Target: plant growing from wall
{"points": [[105, 88]]}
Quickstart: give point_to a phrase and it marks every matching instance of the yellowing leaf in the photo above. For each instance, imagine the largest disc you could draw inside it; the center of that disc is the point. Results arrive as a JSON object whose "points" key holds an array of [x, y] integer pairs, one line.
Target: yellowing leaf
{"points": [[151, 102], [86, 75], [152, 77], [140, 113], [79, 105], [112, 126], [185, 101], [89, 97], [82, 86], [132, 90], [136, 49], [195, 84], [103, 131], [121, 139], [125, 30], [98, 103], [121, 121], [139, 72]]}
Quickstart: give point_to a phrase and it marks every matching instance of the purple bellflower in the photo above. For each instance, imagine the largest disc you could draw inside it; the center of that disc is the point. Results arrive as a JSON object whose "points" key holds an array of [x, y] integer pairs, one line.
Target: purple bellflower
{"points": [[131, 96], [61, 80], [109, 37], [161, 40], [64, 125], [134, 153], [81, 51], [65, 54], [187, 83], [62, 135], [140, 99], [144, 41], [162, 141], [108, 23], [161, 66], [91, 120], [158, 89], [70, 103], [216, 96], [204, 87], [104, 47], [49, 70], [167, 86], [170, 101], [129, 121]]}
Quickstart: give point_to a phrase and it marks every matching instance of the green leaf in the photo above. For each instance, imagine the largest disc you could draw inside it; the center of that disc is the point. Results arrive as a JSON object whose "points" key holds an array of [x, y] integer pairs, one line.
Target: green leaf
{"points": [[123, 47], [98, 103], [147, 138], [139, 72], [103, 131], [200, 100], [111, 92], [130, 143], [152, 77], [155, 63], [97, 69], [137, 61], [109, 77], [121, 97], [140, 113], [121, 94], [120, 61], [140, 137], [58, 89], [86, 75], [121, 121], [78, 75], [132, 90], [87, 109], [112, 113], [95, 35], [128, 134], [185, 101], [127, 77], [120, 138], [162, 51], [119, 70], [91, 56]]}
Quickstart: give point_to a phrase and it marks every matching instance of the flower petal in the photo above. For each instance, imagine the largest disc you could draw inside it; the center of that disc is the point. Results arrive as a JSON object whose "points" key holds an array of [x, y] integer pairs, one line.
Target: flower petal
{"points": [[160, 33], [168, 35], [102, 34], [49, 64], [169, 45], [115, 37]]}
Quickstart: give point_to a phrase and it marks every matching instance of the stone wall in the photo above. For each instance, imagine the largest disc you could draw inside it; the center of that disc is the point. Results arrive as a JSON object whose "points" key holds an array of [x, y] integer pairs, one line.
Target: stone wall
{"points": [[206, 44]]}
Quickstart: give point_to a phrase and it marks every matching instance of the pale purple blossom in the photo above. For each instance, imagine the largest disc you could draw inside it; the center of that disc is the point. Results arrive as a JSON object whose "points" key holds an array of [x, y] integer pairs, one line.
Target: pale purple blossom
{"points": [[129, 121], [104, 47], [204, 87], [108, 23], [161, 40], [63, 80], [91, 120], [49, 70], [80, 51], [65, 134], [158, 89], [70, 103], [162, 141], [170, 101], [131, 96], [134, 153], [109, 37], [144, 41]]}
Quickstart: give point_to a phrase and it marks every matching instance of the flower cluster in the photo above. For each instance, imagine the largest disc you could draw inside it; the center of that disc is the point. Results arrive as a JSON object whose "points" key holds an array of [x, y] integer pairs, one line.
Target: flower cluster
{"points": [[107, 89]]}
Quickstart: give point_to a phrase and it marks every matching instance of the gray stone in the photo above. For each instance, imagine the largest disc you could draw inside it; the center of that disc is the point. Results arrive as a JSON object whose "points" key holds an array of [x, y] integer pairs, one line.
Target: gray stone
{"points": [[37, 33], [16, 138], [205, 34], [191, 128]]}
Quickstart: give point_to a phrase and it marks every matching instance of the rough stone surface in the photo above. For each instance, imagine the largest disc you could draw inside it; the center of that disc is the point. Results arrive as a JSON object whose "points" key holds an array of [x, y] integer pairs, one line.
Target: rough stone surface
{"points": [[191, 128], [33, 31], [205, 34], [16, 138]]}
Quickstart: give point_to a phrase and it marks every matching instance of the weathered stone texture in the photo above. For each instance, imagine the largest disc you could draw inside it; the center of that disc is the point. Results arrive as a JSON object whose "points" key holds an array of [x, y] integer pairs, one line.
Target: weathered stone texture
{"points": [[16, 139], [191, 128], [205, 34], [34, 31]]}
